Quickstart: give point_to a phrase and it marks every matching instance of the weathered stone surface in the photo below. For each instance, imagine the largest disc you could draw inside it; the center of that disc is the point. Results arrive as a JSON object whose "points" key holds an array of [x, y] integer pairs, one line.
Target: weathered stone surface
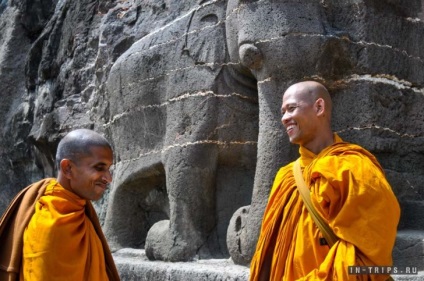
{"points": [[189, 94], [134, 265], [17, 152]]}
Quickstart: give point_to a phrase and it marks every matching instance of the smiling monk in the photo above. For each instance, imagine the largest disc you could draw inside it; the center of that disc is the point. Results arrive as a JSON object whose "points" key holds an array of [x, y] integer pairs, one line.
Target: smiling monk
{"points": [[348, 189], [51, 231]]}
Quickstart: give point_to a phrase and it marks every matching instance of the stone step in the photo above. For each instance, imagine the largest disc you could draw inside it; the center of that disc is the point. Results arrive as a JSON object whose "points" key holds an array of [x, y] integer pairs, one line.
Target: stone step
{"points": [[133, 265]]}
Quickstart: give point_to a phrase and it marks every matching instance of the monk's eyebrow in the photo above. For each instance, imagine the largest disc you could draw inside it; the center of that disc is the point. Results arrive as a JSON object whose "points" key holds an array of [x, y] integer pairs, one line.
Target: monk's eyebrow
{"points": [[100, 165]]}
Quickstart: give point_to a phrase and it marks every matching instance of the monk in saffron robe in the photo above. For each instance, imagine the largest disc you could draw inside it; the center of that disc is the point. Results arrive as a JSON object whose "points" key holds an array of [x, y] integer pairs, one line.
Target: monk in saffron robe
{"points": [[51, 230], [348, 189]]}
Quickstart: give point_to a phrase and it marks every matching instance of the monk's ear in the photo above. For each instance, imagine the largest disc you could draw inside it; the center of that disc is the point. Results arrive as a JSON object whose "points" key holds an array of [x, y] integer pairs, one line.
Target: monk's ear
{"points": [[66, 167], [320, 106]]}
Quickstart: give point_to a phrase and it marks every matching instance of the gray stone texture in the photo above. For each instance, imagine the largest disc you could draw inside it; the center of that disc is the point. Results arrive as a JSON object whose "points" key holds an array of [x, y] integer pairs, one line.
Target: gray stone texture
{"points": [[134, 265], [189, 94]]}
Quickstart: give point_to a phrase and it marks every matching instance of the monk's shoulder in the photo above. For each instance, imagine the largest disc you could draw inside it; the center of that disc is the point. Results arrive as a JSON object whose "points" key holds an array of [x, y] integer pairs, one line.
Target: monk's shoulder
{"points": [[347, 164], [284, 171]]}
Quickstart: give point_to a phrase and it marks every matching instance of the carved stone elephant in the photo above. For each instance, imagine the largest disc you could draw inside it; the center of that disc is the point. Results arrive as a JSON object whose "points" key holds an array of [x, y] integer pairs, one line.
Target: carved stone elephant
{"points": [[184, 128]]}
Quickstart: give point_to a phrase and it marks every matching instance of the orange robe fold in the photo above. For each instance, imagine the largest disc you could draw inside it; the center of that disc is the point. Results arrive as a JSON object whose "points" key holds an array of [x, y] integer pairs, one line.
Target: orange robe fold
{"points": [[75, 247], [349, 190], [60, 242]]}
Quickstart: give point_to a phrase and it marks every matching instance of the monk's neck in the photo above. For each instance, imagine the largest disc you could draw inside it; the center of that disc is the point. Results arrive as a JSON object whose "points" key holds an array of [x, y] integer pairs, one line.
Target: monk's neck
{"points": [[320, 144]]}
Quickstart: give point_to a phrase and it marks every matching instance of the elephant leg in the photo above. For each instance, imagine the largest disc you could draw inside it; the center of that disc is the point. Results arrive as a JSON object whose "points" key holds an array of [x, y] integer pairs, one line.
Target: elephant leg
{"points": [[190, 179]]}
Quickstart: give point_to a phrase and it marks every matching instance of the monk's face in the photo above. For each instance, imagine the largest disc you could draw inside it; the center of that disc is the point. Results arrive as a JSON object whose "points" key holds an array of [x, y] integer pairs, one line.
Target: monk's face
{"points": [[91, 173], [299, 115]]}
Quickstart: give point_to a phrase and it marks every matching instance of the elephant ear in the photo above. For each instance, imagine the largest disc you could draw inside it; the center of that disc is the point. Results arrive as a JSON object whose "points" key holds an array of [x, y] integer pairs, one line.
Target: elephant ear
{"points": [[205, 38]]}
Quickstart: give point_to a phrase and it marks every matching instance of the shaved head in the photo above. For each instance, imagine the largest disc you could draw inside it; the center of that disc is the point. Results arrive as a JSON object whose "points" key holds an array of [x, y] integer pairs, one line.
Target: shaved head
{"points": [[310, 92], [306, 111], [78, 143]]}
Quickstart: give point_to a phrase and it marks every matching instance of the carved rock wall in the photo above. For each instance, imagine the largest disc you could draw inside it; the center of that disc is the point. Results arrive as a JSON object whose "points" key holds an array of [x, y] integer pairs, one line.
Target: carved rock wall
{"points": [[189, 94]]}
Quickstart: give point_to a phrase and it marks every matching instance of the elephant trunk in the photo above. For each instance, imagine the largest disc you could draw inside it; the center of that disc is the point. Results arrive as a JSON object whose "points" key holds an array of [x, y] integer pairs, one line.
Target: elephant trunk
{"points": [[273, 148]]}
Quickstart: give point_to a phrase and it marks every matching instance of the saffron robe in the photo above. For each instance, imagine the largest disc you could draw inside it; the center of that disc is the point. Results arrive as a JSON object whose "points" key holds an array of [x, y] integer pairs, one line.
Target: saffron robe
{"points": [[349, 190], [19, 214]]}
